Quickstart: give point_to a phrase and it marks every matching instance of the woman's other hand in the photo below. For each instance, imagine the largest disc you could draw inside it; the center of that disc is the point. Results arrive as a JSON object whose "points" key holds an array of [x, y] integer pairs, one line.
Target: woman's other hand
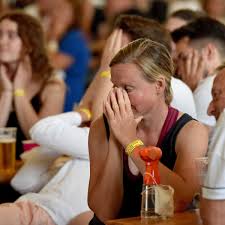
{"points": [[23, 74], [5, 82], [112, 46]]}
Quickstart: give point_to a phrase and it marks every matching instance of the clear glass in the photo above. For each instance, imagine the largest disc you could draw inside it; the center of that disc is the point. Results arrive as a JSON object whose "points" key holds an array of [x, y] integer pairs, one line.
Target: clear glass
{"points": [[7, 152], [148, 202], [201, 165], [201, 169]]}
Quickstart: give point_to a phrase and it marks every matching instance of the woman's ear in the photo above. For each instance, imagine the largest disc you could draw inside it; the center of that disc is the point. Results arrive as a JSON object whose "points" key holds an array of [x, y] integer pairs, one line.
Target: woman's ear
{"points": [[160, 85]]}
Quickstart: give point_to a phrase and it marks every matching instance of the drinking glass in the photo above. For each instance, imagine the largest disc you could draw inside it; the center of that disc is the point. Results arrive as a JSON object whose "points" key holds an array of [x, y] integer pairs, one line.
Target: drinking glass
{"points": [[7, 152]]}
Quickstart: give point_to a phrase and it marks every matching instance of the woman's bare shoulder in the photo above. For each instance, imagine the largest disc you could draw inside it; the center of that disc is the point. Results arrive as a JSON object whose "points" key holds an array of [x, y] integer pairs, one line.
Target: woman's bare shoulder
{"points": [[194, 134]]}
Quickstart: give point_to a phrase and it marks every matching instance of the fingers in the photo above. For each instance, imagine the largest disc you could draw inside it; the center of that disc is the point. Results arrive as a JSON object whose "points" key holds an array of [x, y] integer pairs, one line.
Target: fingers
{"points": [[117, 104], [113, 45], [114, 103], [121, 101], [127, 102], [188, 63], [114, 40], [191, 68], [111, 40], [195, 59], [2, 70], [118, 41], [108, 110]]}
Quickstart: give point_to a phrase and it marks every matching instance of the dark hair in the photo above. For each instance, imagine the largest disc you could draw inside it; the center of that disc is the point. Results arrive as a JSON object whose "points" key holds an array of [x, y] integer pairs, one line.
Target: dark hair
{"points": [[140, 27], [203, 27], [32, 36], [187, 14]]}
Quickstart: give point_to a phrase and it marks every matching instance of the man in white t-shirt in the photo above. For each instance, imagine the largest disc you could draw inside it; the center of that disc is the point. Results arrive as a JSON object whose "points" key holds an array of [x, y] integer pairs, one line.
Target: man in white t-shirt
{"points": [[213, 190], [200, 49]]}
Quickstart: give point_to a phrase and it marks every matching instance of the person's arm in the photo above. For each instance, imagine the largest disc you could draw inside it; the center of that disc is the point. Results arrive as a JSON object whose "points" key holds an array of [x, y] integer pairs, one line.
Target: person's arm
{"points": [[106, 173], [61, 60], [6, 96], [101, 84], [191, 143], [52, 97], [88, 11], [52, 103], [62, 134], [212, 211], [5, 106]]}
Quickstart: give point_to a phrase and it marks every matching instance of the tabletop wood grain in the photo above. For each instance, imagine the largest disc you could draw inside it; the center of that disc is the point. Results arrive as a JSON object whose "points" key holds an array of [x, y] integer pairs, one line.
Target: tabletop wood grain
{"points": [[185, 218]]}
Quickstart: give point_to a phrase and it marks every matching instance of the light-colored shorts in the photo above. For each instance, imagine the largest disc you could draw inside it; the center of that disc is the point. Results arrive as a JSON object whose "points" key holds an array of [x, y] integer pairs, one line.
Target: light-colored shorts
{"points": [[23, 213]]}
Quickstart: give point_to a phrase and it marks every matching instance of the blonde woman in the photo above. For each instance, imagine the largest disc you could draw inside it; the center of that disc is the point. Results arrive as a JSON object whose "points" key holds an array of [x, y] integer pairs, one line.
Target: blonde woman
{"points": [[141, 73]]}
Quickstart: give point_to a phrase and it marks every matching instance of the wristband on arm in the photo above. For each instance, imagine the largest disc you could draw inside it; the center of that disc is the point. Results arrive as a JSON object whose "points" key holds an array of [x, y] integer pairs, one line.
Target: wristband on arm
{"points": [[87, 112], [105, 74], [19, 92], [134, 144]]}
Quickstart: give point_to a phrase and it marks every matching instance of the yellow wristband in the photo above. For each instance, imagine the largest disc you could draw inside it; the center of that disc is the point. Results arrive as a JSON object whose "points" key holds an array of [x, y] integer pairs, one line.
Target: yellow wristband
{"points": [[87, 112], [134, 144], [105, 74], [19, 92]]}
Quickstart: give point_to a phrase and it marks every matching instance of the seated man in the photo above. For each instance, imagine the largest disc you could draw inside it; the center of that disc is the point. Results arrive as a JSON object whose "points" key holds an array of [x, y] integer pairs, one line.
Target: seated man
{"points": [[213, 191], [200, 50]]}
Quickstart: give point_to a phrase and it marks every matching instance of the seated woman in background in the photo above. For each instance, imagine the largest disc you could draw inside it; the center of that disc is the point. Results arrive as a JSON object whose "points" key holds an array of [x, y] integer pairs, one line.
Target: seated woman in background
{"points": [[28, 89], [68, 46], [141, 74]]}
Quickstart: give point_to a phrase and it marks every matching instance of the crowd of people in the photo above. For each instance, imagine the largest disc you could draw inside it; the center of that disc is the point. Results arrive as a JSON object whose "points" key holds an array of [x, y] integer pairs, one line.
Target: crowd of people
{"points": [[159, 80]]}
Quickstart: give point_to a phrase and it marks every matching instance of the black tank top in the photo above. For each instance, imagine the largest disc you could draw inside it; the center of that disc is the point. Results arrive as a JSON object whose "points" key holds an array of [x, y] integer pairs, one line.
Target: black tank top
{"points": [[13, 122], [133, 184]]}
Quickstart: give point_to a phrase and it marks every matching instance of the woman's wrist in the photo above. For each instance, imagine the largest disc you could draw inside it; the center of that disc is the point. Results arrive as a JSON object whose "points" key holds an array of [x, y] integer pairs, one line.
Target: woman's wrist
{"points": [[85, 113], [19, 92], [105, 74], [132, 145]]}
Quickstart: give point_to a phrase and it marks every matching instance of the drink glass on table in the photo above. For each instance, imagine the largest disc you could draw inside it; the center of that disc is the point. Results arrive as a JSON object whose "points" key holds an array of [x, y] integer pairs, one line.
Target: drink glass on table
{"points": [[201, 165], [7, 152]]}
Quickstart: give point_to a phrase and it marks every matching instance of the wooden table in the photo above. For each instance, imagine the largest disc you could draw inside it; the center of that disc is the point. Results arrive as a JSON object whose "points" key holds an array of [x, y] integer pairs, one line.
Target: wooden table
{"points": [[185, 218]]}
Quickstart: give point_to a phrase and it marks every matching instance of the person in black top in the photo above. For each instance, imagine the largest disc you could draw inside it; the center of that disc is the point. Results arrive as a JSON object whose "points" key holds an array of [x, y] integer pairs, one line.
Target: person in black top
{"points": [[28, 89], [137, 108]]}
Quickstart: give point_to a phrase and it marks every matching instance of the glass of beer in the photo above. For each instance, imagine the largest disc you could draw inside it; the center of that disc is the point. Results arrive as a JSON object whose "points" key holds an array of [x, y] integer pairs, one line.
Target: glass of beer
{"points": [[7, 152]]}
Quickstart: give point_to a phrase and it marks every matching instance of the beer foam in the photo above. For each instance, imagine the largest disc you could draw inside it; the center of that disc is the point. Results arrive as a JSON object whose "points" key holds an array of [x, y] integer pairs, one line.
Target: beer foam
{"points": [[7, 140]]}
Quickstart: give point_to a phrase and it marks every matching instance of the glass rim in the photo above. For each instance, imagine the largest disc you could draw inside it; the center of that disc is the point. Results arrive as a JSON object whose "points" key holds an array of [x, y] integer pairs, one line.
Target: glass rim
{"points": [[8, 128], [204, 159]]}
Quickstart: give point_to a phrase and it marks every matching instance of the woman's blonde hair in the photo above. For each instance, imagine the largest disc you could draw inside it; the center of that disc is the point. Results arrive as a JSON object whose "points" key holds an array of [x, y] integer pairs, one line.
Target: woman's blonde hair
{"points": [[152, 58]]}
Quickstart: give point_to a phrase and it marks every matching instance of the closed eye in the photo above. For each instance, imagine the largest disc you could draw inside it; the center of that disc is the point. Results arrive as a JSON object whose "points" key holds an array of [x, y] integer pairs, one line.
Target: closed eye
{"points": [[128, 88]]}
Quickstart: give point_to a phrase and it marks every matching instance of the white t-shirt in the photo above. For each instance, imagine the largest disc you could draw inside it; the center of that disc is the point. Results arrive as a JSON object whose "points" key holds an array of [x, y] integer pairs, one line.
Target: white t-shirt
{"points": [[202, 97], [183, 99], [214, 182], [65, 195]]}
